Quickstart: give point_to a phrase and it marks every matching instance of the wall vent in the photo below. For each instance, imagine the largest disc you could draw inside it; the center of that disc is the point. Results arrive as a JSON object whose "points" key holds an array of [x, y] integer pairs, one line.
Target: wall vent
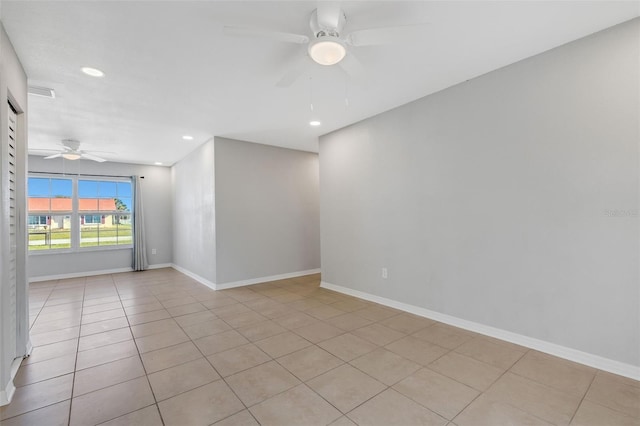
{"points": [[42, 91]]}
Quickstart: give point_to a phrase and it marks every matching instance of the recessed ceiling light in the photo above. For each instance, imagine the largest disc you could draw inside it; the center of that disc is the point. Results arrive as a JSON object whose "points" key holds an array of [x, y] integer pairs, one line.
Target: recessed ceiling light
{"points": [[314, 123], [157, 163], [93, 72], [187, 138]]}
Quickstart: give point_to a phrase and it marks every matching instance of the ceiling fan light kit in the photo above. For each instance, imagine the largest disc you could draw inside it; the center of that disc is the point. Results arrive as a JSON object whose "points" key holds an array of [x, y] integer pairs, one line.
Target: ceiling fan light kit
{"points": [[327, 50], [71, 156]]}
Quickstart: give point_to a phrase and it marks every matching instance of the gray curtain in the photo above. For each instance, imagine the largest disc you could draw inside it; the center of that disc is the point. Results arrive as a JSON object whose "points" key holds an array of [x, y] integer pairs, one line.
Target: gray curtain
{"points": [[139, 247]]}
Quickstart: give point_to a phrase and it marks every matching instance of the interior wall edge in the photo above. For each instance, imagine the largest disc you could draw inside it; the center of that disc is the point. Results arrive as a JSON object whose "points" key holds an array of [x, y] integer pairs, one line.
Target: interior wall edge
{"points": [[242, 283]]}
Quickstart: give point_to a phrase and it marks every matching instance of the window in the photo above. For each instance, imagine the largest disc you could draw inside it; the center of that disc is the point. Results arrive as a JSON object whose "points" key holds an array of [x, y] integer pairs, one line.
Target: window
{"points": [[74, 213]]}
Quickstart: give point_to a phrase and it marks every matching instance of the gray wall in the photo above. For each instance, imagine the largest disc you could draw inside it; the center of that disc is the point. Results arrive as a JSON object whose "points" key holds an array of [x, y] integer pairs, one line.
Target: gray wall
{"points": [[194, 227], [14, 320], [267, 212], [156, 198], [510, 200]]}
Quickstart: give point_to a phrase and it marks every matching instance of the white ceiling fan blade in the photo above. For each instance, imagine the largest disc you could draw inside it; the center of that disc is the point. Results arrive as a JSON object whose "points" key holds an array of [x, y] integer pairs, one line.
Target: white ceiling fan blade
{"points": [[387, 35], [294, 71], [93, 157], [351, 65], [328, 14], [53, 156], [266, 34]]}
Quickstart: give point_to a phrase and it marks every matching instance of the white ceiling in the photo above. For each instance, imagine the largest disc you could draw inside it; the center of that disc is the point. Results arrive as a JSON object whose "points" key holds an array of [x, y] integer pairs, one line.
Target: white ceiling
{"points": [[170, 71]]}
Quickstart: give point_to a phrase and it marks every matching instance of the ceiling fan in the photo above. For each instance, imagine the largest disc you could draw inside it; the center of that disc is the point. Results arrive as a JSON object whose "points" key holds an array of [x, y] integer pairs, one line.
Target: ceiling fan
{"points": [[328, 45], [71, 151]]}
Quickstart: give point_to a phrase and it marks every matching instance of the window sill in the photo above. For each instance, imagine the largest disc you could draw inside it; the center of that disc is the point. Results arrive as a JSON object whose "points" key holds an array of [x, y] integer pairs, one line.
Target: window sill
{"points": [[79, 250]]}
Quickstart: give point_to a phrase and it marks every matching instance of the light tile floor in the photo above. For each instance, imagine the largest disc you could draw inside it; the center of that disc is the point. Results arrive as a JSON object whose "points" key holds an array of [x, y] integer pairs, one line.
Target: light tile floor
{"points": [[156, 347]]}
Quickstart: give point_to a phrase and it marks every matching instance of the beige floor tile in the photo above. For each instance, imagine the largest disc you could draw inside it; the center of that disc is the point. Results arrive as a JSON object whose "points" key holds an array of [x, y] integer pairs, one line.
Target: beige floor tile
{"points": [[170, 356], [348, 322], [466, 370], [105, 375], [238, 359], [160, 340], [261, 330], [295, 320], [244, 319], [275, 311], [407, 323], [220, 342], [50, 337], [444, 335], [142, 309], [297, 406], [154, 327], [318, 332], [148, 416], [39, 371], [191, 308], [54, 350], [102, 316], [52, 415], [346, 387], [106, 354], [103, 326], [347, 346], [324, 312], [262, 382], [195, 318], [437, 392], [486, 412], [148, 317], [592, 414], [343, 421], [282, 344], [207, 328], [491, 352], [309, 362], [378, 334], [243, 418], [182, 378], [385, 366], [218, 302], [416, 350], [139, 301], [103, 339], [377, 312], [201, 406], [615, 394], [92, 309], [43, 325], [38, 395], [123, 398], [558, 373], [305, 304], [534, 398], [180, 301], [229, 310], [393, 409], [350, 305]]}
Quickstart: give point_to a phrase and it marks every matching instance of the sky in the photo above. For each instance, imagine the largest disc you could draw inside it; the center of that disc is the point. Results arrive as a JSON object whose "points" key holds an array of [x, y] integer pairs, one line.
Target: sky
{"points": [[51, 188]]}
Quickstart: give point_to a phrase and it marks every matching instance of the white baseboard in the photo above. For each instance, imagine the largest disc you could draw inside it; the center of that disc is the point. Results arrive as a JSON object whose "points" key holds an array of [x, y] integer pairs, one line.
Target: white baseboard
{"points": [[251, 281], [78, 274], [6, 395], [93, 273], [160, 266], [570, 354], [196, 277]]}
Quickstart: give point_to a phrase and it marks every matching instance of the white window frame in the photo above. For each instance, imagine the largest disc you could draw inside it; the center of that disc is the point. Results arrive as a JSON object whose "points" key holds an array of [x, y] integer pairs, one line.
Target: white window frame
{"points": [[75, 214]]}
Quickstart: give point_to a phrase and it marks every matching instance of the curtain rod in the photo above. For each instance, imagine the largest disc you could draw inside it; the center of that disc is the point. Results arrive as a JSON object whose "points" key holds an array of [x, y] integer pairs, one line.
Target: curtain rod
{"points": [[80, 174]]}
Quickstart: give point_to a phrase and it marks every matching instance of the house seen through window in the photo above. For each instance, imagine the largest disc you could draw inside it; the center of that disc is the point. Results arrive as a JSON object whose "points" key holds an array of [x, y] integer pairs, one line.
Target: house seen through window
{"points": [[72, 213]]}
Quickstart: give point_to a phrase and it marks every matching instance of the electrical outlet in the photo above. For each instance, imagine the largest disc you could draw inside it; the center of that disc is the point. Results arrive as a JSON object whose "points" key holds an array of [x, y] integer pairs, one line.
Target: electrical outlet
{"points": [[385, 273], [154, 251]]}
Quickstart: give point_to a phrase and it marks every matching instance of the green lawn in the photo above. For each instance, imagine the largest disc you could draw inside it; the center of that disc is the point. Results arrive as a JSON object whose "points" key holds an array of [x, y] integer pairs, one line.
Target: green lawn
{"points": [[103, 235]]}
